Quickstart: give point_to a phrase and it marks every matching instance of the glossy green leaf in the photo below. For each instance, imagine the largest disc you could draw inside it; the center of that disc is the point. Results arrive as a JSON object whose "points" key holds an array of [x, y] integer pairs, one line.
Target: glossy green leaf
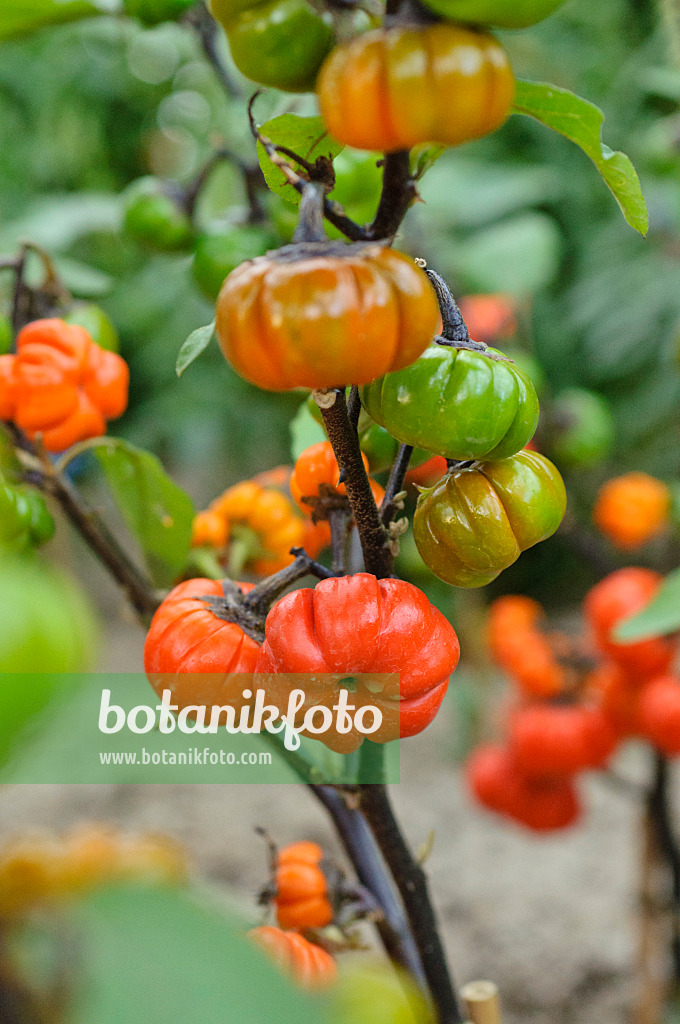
{"points": [[158, 954], [18, 17], [156, 511], [196, 343], [661, 616], [306, 136], [581, 121]]}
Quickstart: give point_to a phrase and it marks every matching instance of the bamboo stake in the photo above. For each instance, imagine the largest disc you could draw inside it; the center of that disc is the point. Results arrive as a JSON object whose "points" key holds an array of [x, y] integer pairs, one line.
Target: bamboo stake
{"points": [[482, 1002]]}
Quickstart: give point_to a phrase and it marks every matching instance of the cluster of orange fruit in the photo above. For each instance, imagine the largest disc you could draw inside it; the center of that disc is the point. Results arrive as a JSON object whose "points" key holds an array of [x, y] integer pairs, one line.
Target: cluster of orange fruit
{"points": [[253, 525], [302, 900]]}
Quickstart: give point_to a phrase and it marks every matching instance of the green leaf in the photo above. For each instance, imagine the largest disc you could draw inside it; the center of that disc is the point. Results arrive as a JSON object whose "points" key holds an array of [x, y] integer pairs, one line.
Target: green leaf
{"points": [[156, 511], [18, 17], [306, 136], [661, 616], [423, 157], [581, 121], [158, 954], [304, 430], [196, 343]]}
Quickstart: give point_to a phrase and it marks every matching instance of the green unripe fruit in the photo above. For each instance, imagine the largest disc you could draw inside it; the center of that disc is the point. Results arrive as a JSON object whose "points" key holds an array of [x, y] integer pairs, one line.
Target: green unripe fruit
{"points": [[584, 427], [47, 623], [529, 365], [225, 11], [456, 403], [281, 44], [380, 448], [379, 995], [41, 526], [24, 519], [477, 520], [217, 253], [95, 321], [154, 219], [499, 13], [47, 630], [153, 12]]}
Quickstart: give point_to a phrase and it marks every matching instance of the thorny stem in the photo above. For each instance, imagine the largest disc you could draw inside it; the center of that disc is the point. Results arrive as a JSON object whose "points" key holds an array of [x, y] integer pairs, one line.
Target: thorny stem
{"points": [[377, 557], [659, 810], [395, 483], [412, 885], [361, 848]]}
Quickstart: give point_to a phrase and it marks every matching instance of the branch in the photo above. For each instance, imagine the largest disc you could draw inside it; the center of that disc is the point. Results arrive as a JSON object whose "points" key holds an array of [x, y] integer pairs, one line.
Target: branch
{"points": [[262, 596], [412, 885], [253, 182], [47, 478], [398, 193], [343, 437], [101, 541], [361, 848], [395, 483], [337, 520], [207, 32], [659, 810]]}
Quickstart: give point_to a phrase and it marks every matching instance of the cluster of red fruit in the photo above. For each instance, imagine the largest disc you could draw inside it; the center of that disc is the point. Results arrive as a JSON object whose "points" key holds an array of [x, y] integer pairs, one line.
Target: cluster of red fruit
{"points": [[565, 720]]}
